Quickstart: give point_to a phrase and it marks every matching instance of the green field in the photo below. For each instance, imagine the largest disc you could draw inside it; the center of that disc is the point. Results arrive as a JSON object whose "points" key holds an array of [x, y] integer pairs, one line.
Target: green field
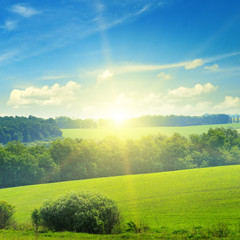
{"points": [[29, 235], [133, 133], [172, 199]]}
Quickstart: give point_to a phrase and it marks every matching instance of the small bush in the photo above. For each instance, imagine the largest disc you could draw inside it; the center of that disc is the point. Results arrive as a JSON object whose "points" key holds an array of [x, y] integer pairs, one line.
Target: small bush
{"points": [[36, 219], [80, 212], [180, 231], [220, 230], [6, 214], [137, 227]]}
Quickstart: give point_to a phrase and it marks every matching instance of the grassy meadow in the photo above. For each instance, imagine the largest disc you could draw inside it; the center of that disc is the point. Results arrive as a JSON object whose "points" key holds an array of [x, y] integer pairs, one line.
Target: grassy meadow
{"points": [[196, 197], [133, 133], [29, 235]]}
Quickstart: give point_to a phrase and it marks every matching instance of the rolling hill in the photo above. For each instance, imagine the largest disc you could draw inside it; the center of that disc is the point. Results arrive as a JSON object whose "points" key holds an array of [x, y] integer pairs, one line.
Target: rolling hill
{"points": [[172, 199]]}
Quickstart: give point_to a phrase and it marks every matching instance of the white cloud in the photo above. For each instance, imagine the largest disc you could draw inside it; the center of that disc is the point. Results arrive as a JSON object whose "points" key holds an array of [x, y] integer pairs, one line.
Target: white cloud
{"points": [[214, 67], [164, 76], [143, 68], [229, 105], [24, 11], [9, 25], [104, 76], [144, 9], [197, 90], [45, 96], [155, 104], [54, 77], [194, 64], [188, 65], [140, 68], [195, 109]]}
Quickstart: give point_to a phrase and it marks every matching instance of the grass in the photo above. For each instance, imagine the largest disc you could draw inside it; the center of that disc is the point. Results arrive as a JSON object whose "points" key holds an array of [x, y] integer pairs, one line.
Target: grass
{"points": [[16, 235], [180, 199], [133, 133], [217, 231], [164, 233]]}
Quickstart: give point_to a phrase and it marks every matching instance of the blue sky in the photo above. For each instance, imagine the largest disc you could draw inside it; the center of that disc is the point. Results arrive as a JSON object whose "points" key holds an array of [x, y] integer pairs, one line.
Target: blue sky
{"points": [[108, 58]]}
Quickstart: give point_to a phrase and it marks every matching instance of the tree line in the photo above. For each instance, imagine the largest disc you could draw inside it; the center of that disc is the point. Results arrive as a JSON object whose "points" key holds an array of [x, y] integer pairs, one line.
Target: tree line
{"points": [[67, 123], [172, 120], [146, 121], [27, 129], [69, 159]]}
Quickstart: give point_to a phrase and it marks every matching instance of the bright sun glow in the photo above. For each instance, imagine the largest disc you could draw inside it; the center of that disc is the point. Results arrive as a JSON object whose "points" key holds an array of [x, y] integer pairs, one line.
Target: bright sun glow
{"points": [[119, 117]]}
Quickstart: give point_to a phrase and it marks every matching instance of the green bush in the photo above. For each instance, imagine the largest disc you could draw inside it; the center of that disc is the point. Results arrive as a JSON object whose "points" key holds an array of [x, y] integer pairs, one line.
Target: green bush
{"points": [[220, 230], [137, 227], [36, 219], [6, 214], [80, 212]]}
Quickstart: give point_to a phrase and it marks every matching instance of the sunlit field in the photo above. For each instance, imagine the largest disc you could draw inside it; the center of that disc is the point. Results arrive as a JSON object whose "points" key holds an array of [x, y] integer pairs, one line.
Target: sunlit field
{"points": [[169, 199], [133, 133], [20, 235]]}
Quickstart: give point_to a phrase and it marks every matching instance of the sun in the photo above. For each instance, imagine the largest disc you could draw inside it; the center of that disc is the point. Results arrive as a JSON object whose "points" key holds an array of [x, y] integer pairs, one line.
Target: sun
{"points": [[119, 117]]}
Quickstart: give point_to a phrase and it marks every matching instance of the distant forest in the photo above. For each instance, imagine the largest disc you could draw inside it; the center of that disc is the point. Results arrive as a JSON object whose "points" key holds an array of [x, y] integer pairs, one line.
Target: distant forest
{"points": [[35, 129], [27, 129], [69, 159], [147, 121]]}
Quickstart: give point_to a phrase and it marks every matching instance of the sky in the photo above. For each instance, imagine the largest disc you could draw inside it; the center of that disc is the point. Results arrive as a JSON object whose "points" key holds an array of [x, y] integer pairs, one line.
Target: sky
{"points": [[119, 58]]}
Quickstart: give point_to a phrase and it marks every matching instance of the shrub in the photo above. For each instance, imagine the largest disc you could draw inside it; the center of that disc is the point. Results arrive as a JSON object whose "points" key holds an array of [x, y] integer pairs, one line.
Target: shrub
{"points": [[137, 227], [220, 230], [36, 220], [6, 214], [80, 212]]}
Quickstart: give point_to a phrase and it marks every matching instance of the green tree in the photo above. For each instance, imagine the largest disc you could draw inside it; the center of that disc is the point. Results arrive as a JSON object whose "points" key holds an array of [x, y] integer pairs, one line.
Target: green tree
{"points": [[110, 157], [81, 162], [61, 149], [6, 214], [174, 149]]}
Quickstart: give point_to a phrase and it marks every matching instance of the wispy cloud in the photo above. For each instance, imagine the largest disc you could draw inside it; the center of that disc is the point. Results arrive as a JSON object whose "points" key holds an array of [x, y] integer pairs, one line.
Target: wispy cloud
{"points": [[104, 76], [222, 56], [130, 14], [164, 76], [143, 68], [56, 77], [24, 11], [7, 56], [127, 68], [214, 67], [62, 35], [144, 9], [188, 65], [9, 25]]}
